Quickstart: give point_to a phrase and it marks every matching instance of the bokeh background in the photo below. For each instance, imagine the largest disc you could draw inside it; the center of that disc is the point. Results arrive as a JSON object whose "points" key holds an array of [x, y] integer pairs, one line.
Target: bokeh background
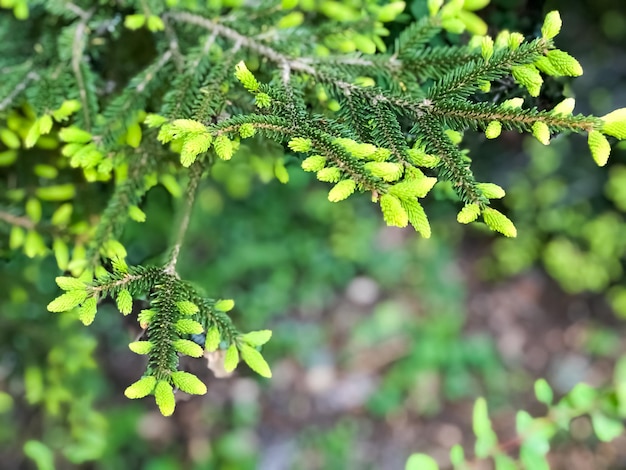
{"points": [[382, 340]]}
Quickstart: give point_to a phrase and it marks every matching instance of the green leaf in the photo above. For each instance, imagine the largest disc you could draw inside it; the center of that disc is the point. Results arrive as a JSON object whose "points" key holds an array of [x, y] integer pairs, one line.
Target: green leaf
{"points": [[256, 338], [187, 326], [300, 144], [143, 387], [255, 361], [606, 428], [231, 358], [141, 347], [188, 383], [213, 339], [67, 301], [124, 302], [164, 397], [393, 213], [33, 209], [421, 462], [600, 147], [543, 392], [188, 348]]}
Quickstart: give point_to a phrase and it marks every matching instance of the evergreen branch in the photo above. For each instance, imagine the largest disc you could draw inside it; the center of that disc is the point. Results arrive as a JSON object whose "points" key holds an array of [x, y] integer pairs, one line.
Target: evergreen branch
{"points": [[127, 193], [17, 221], [163, 357], [453, 166], [19, 88], [387, 129], [78, 46], [195, 174], [415, 36], [464, 80], [436, 62], [461, 114]]}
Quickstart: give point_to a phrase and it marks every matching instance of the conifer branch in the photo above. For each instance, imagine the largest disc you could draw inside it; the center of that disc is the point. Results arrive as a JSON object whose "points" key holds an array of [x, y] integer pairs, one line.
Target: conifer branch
{"points": [[78, 46], [195, 174], [460, 114]]}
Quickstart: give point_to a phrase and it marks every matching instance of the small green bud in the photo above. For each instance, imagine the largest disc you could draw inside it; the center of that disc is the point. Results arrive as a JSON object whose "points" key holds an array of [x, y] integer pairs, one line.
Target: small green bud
{"points": [[155, 24], [341, 190], [246, 130], [257, 338], [493, 130], [313, 163], [565, 107], [187, 308], [491, 190], [188, 348], [329, 175], [225, 305], [564, 63], [134, 22], [74, 135], [468, 214], [188, 383], [255, 361], [231, 358], [164, 397], [529, 77], [142, 388], [600, 147], [213, 339], [300, 144], [393, 212], [124, 302], [223, 147], [262, 100], [136, 214], [187, 326], [541, 131], [551, 25], [615, 123], [246, 77], [87, 311], [498, 222], [388, 171], [141, 347]]}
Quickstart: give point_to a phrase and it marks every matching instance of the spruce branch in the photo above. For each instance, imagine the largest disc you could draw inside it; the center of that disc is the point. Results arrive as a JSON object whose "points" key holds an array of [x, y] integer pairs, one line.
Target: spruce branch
{"points": [[460, 114], [78, 47], [195, 174]]}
